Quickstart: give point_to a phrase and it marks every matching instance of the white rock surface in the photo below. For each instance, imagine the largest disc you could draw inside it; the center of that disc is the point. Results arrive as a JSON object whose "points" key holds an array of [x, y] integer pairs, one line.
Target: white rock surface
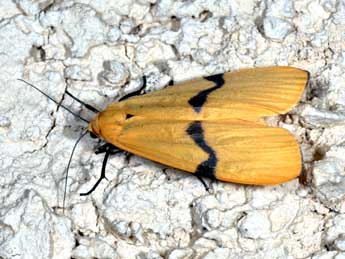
{"points": [[30, 229], [100, 50]]}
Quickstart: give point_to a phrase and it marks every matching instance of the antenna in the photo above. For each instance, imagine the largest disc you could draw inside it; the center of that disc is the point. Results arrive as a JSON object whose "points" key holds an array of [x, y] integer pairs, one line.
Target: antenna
{"points": [[50, 98], [67, 169]]}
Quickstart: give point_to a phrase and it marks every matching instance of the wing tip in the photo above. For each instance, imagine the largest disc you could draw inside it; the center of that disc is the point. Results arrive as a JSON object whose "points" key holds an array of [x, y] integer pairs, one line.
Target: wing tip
{"points": [[304, 82], [308, 77], [297, 68]]}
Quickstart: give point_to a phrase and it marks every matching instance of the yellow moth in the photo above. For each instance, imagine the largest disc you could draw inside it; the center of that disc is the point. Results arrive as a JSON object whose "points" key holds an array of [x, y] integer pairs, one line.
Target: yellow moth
{"points": [[213, 126]]}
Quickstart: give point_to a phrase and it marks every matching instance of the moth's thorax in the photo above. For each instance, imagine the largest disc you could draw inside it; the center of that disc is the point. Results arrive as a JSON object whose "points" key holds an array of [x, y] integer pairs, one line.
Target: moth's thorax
{"points": [[108, 124]]}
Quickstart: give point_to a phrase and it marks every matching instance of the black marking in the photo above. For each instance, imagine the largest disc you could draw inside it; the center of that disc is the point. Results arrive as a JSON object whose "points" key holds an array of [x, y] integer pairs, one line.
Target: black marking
{"points": [[199, 100], [128, 116], [206, 168]]}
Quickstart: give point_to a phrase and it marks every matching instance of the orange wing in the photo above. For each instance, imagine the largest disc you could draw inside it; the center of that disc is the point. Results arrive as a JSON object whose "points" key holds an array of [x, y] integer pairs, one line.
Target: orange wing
{"points": [[212, 126], [245, 94], [235, 151]]}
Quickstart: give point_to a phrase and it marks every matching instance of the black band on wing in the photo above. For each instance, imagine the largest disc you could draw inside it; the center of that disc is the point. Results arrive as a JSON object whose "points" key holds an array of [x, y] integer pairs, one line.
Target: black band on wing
{"points": [[199, 100], [206, 168]]}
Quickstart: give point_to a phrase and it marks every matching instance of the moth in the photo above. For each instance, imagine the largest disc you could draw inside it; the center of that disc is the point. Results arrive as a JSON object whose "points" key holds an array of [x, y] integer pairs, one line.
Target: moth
{"points": [[211, 127]]}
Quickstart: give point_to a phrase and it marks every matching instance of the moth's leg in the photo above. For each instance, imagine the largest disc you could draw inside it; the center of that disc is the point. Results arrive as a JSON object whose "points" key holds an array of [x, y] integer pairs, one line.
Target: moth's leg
{"points": [[101, 149], [137, 92], [114, 150], [128, 156], [109, 151], [87, 106], [303, 176], [107, 147], [207, 188]]}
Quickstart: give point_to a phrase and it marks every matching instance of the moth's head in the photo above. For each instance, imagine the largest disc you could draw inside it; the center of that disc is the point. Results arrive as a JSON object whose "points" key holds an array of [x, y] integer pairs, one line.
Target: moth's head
{"points": [[107, 124]]}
